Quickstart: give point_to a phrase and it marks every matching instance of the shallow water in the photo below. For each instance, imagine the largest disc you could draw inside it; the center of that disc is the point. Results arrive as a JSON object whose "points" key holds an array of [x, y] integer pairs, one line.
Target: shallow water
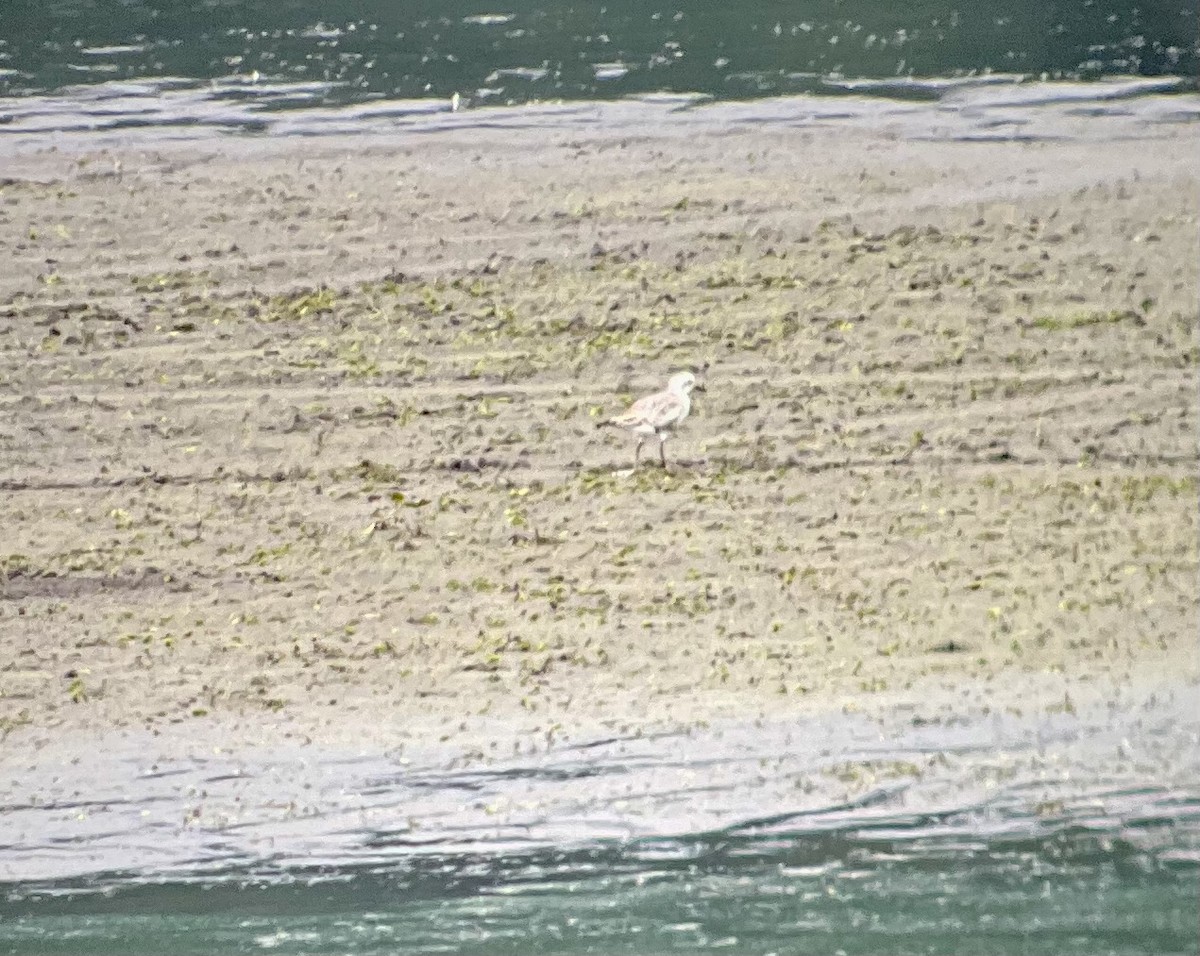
{"points": [[900, 886], [234, 66], [1076, 832]]}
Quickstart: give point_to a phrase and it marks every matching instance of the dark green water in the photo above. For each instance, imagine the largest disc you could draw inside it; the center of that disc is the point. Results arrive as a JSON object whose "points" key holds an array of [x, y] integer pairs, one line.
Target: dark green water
{"points": [[78, 64], [1069, 890]]}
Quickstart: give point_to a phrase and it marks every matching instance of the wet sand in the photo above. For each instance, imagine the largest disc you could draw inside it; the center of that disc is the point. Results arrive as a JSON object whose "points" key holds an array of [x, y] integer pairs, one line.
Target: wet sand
{"points": [[299, 436]]}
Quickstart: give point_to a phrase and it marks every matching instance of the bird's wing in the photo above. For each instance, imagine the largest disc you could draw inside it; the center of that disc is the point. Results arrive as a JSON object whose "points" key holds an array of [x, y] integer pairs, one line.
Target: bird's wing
{"points": [[656, 411]]}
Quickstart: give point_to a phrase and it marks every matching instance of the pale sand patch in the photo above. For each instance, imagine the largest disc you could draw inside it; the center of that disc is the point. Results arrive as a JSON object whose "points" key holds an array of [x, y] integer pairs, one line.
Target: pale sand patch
{"points": [[298, 436]]}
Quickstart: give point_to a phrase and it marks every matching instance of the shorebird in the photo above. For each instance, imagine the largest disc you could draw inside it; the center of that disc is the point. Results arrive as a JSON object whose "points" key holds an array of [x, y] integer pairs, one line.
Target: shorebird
{"points": [[657, 414]]}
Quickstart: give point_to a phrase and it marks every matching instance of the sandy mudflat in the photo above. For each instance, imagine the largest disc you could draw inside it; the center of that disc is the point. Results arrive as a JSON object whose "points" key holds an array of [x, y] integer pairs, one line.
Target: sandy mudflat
{"points": [[298, 436]]}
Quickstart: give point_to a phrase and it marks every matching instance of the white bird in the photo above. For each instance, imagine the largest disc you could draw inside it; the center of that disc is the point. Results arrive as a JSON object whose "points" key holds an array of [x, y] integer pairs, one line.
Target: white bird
{"points": [[657, 414]]}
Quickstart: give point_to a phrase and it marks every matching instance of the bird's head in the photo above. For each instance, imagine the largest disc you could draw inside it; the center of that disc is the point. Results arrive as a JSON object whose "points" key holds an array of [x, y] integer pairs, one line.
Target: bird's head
{"points": [[684, 382]]}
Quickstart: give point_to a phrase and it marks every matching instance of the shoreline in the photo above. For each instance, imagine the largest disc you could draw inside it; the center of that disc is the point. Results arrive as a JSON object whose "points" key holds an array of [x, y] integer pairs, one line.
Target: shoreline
{"points": [[152, 807], [995, 108], [300, 434]]}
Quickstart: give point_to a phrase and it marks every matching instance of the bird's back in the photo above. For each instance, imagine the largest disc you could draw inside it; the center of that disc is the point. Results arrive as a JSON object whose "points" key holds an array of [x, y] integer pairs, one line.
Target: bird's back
{"points": [[657, 411]]}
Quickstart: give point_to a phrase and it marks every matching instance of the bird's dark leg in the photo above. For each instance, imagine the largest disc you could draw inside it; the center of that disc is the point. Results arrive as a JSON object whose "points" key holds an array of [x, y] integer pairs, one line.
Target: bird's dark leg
{"points": [[662, 450], [638, 451]]}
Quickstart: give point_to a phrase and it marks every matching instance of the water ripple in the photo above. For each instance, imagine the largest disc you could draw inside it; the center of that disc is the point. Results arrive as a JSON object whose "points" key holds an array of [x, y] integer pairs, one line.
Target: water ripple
{"points": [[997, 107]]}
